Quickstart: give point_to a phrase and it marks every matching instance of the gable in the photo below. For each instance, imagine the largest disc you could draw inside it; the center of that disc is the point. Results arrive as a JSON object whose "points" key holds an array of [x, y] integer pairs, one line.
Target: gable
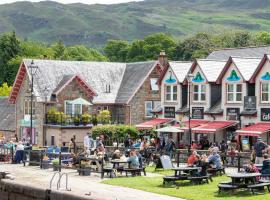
{"points": [[170, 77], [264, 73], [199, 77], [232, 75]]}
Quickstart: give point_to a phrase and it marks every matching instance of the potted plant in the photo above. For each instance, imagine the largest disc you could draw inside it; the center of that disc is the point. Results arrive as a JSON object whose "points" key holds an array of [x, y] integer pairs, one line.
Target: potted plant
{"points": [[45, 162], [76, 121], [55, 164], [86, 119], [85, 169]]}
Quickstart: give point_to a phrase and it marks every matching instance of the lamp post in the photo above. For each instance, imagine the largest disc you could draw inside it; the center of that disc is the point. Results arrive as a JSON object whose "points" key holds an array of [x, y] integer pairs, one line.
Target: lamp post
{"points": [[189, 79], [33, 70], [45, 93]]}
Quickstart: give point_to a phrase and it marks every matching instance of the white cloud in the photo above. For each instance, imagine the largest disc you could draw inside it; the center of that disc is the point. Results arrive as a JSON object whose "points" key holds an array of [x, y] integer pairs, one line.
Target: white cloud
{"points": [[76, 1]]}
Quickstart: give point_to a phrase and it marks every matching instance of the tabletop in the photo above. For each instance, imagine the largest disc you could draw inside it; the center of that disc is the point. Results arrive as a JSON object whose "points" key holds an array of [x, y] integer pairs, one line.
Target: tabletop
{"points": [[243, 175], [119, 161], [185, 168]]}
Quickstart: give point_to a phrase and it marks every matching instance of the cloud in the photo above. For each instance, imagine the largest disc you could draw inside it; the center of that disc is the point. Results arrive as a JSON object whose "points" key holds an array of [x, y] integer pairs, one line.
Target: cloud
{"points": [[76, 1]]}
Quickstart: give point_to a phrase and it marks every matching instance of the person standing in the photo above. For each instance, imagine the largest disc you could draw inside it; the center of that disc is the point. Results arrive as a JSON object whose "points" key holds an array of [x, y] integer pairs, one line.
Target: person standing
{"points": [[88, 142], [169, 147], [260, 147]]}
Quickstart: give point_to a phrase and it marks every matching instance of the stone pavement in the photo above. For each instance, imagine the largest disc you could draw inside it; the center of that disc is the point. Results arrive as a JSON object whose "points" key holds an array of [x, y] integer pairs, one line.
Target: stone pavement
{"points": [[80, 185]]}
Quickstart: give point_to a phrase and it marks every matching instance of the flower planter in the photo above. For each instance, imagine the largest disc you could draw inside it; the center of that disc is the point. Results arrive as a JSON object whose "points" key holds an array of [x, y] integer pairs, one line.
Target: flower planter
{"points": [[45, 164]]}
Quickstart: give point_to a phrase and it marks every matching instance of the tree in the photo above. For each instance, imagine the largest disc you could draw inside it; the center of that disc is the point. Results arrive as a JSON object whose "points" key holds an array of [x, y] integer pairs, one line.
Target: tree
{"points": [[9, 48], [262, 38], [117, 50], [5, 90], [104, 116], [58, 50]]}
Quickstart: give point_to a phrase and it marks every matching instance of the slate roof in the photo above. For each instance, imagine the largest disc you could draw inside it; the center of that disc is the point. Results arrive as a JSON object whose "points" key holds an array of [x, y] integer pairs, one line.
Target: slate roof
{"points": [[123, 78], [240, 52], [7, 115], [134, 76], [63, 82], [211, 68], [180, 69], [246, 66]]}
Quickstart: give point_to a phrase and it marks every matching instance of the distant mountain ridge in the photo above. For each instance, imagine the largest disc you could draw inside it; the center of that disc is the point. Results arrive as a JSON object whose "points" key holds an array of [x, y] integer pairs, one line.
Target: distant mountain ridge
{"points": [[93, 25]]}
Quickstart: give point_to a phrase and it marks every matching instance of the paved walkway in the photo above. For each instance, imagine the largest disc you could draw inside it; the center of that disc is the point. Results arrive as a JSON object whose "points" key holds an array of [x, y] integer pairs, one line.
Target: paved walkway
{"points": [[80, 185]]}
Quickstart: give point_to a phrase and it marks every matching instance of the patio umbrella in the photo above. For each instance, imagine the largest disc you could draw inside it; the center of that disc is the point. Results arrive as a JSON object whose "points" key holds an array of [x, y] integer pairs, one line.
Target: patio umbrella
{"points": [[169, 129], [81, 101]]}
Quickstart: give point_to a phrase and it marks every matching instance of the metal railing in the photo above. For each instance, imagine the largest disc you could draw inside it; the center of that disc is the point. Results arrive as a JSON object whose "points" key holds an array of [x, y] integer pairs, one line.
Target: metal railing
{"points": [[67, 120]]}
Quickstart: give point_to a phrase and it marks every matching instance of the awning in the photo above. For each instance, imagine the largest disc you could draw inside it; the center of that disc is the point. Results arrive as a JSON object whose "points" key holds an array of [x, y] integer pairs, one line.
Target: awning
{"points": [[249, 112], [193, 124], [182, 110], [152, 123], [157, 110], [80, 101], [215, 110], [254, 130], [169, 129], [214, 126], [26, 123]]}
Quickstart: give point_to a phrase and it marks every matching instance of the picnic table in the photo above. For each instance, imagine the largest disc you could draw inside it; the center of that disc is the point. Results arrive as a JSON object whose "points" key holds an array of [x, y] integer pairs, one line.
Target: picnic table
{"points": [[242, 179], [117, 162], [187, 169]]}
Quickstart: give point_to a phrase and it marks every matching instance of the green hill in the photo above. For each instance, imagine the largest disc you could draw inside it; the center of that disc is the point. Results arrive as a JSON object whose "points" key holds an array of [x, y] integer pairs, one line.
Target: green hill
{"points": [[93, 25]]}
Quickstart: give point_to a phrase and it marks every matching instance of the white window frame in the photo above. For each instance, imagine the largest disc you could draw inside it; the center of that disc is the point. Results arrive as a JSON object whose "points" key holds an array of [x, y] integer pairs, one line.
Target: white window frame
{"points": [[153, 85], [200, 93], [73, 108], [268, 92], [27, 107], [146, 109], [234, 92], [171, 93]]}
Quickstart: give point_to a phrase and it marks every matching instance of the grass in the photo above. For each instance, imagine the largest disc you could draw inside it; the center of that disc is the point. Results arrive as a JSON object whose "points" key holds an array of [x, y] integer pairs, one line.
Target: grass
{"points": [[184, 189]]}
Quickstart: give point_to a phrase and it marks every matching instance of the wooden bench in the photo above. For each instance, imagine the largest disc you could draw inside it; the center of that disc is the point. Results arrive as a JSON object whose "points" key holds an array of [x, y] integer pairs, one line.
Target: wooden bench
{"points": [[215, 172], [199, 179], [171, 179], [109, 170], [265, 175], [226, 187], [259, 186], [133, 172]]}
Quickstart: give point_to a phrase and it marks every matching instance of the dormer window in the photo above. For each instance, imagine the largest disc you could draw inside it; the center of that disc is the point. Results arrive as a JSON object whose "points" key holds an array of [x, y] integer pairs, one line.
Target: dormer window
{"points": [[199, 93], [234, 93]]}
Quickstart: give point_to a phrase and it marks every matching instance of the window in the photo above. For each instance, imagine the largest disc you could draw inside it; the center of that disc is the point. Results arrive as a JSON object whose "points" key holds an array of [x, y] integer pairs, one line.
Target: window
{"points": [[148, 108], [199, 93], [73, 109], [265, 92], [234, 92], [27, 107], [153, 84], [171, 93]]}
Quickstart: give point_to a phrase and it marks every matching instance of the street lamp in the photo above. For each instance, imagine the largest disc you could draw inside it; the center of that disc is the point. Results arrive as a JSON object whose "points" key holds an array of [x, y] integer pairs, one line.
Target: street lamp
{"points": [[45, 93], [33, 69], [189, 79]]}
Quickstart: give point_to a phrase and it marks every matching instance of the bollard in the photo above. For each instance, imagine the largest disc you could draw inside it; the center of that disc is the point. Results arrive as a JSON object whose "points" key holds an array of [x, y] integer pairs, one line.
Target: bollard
{"points": [[60, 158], [238, 162], [12, 155], [178, 158], [41, 159]]}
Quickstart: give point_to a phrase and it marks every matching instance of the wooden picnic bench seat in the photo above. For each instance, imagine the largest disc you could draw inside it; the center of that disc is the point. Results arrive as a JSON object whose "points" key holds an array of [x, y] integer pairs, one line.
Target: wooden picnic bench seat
{"points": [[198, 179], [259, 186], [224, 187], [172, 179], [215, 172], [133, 171], [265, 175]]}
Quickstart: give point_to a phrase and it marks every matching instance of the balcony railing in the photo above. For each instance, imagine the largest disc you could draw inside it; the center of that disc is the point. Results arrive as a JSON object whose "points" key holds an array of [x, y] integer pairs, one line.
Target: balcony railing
{"points": [[67, 120]]}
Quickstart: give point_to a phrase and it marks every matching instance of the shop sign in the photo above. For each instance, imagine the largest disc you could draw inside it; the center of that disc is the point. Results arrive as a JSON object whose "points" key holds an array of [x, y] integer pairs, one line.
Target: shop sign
{"points": [[265, 114], [233, 113], [197, 113], [250, 103], [169, 112]]}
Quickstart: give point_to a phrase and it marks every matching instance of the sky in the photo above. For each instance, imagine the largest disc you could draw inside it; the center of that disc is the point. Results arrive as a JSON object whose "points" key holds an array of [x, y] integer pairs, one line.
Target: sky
{"points": [[75, 1]]}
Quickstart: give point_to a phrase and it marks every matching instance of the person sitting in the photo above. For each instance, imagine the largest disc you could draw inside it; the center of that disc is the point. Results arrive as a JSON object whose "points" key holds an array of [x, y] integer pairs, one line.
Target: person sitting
{"points": [[251, 168], [133, 160], [194, 145], [201, 162], [214, 159], [116, 155], [192, 158], [266, 165]]}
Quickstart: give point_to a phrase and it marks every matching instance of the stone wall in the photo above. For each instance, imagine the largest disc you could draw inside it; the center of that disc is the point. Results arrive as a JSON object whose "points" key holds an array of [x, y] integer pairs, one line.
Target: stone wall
{"points": [[14, 191], [19, 109], [137, 104]]}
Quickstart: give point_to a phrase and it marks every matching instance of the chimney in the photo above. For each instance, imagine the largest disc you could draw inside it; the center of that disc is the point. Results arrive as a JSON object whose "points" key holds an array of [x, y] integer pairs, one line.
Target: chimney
{"points": [[162, 58]]}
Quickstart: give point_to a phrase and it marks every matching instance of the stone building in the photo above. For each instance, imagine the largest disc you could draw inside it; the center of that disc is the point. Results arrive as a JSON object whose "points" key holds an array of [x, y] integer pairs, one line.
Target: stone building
{"points": [[7, 119], [127, 90]]}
